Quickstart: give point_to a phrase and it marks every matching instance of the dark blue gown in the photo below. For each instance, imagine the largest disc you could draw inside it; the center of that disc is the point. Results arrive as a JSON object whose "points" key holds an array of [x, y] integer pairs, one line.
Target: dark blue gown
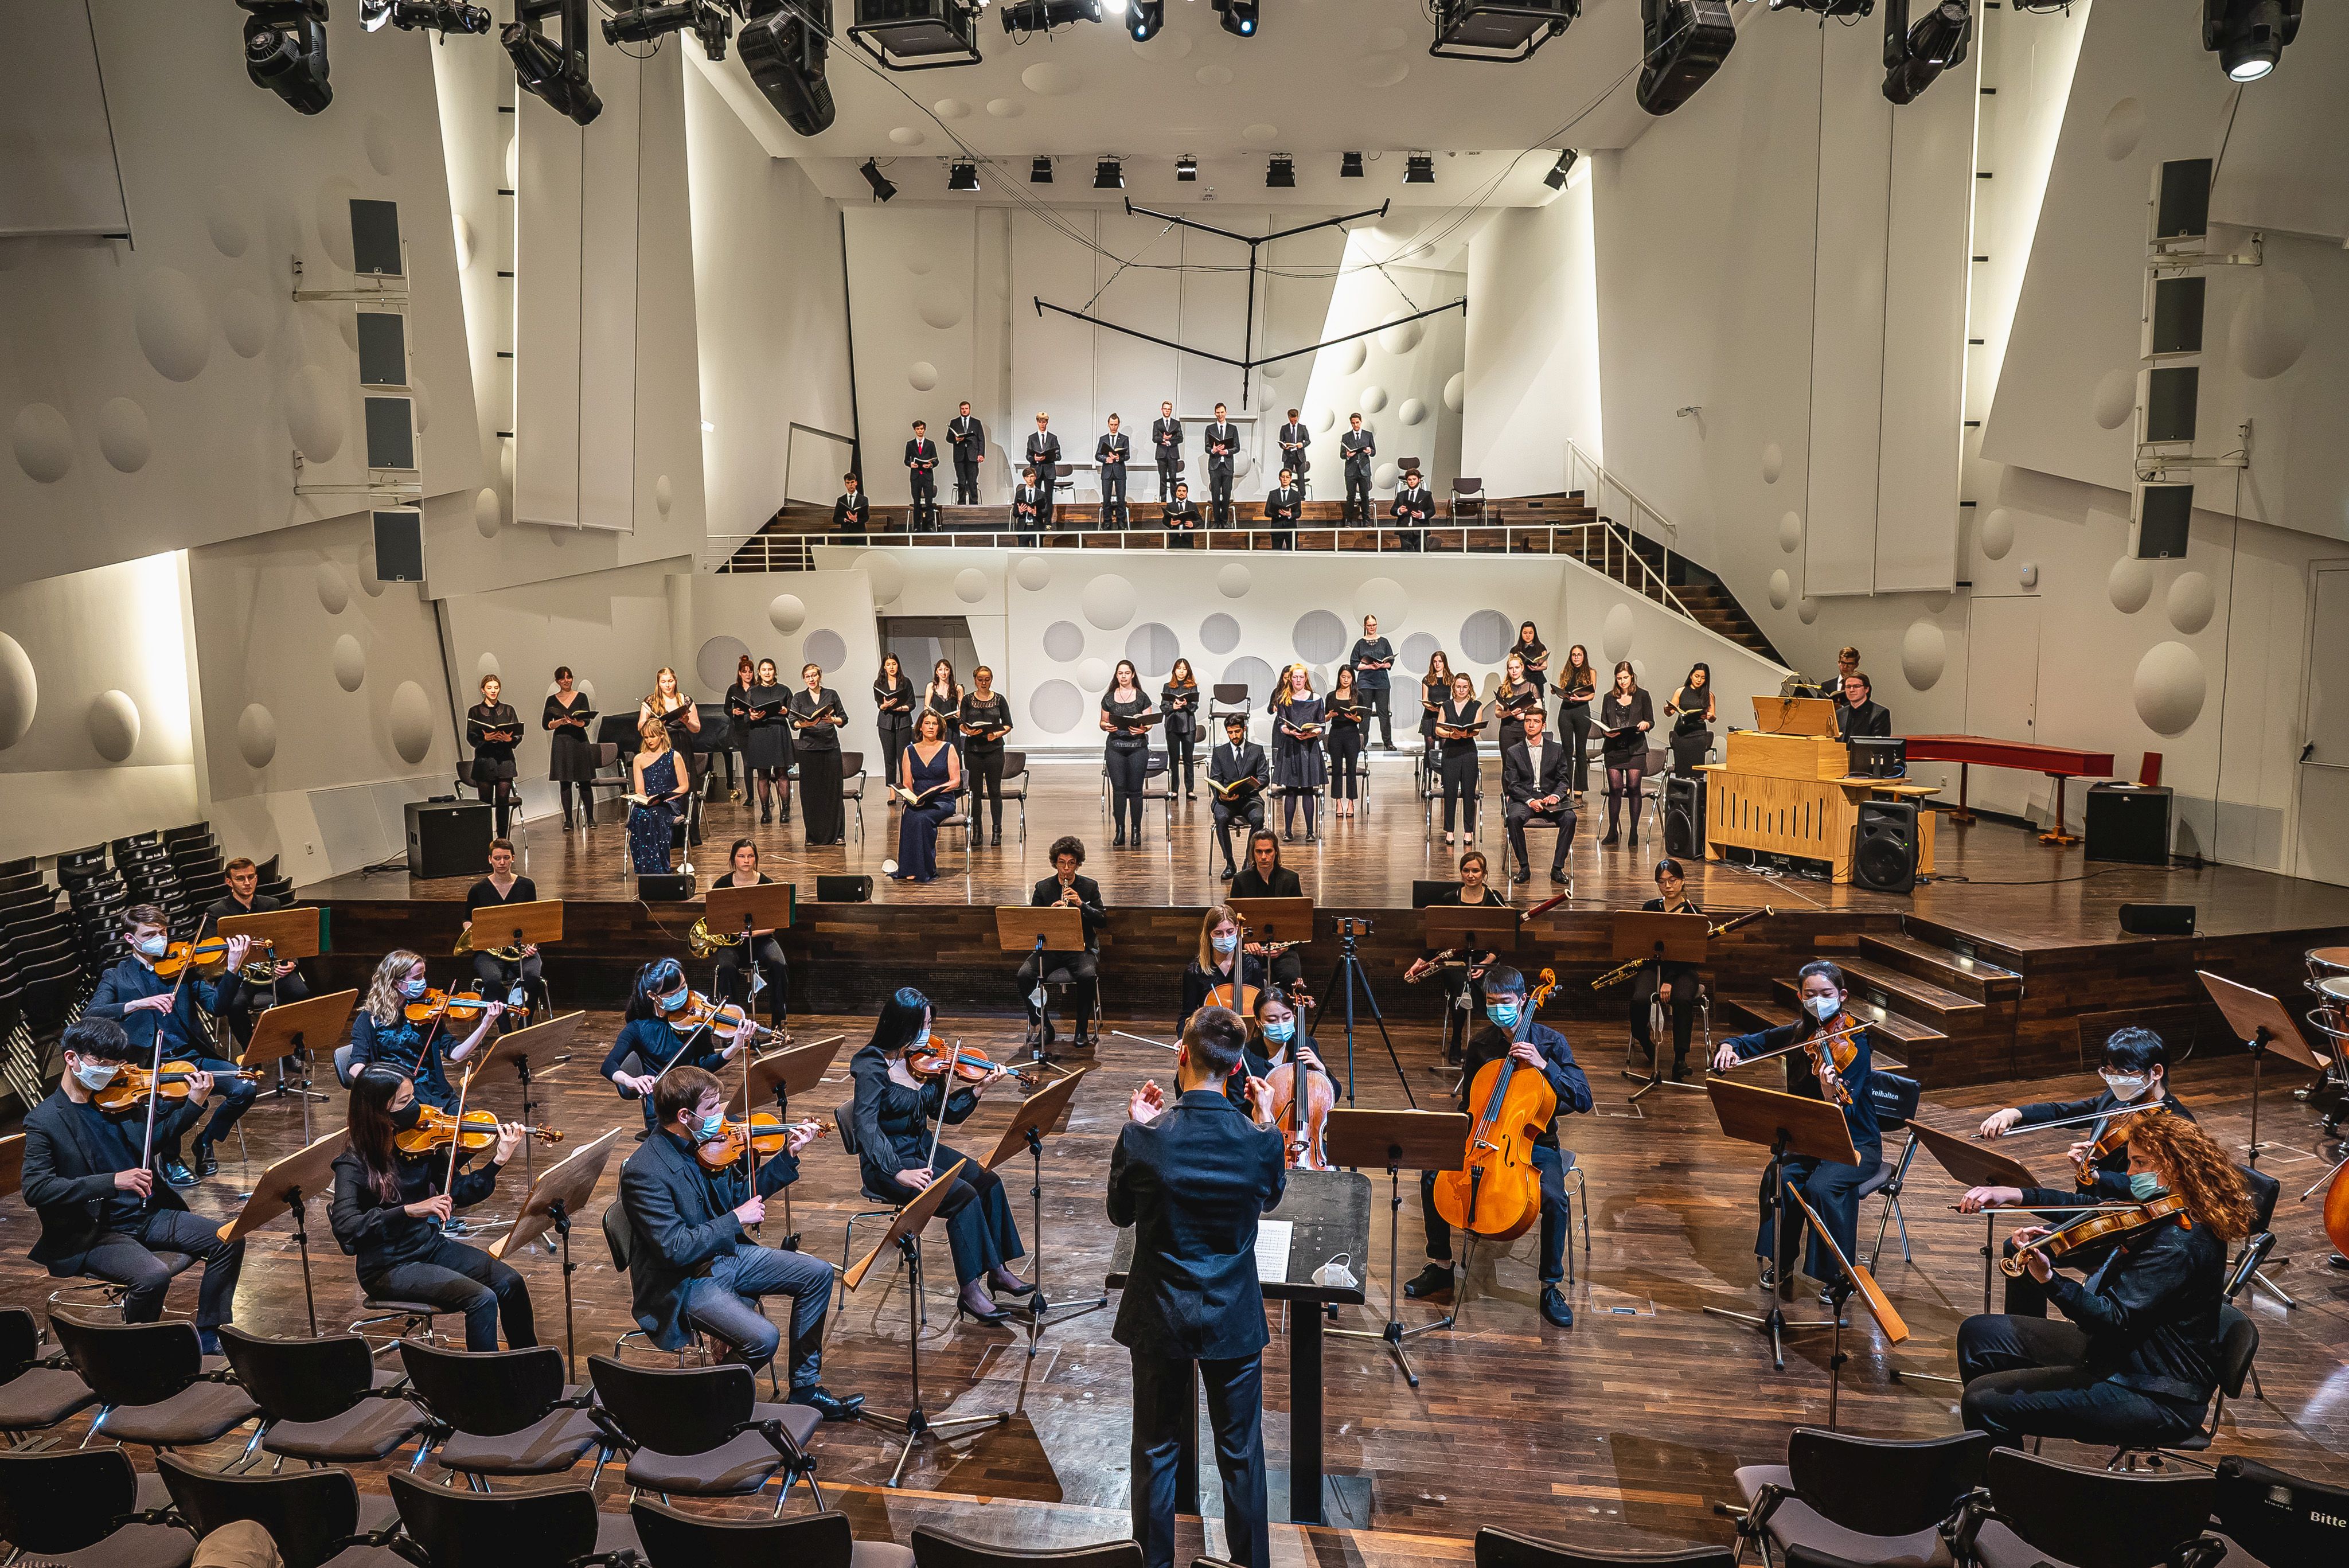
{"points": [[650, 827], [918, 825]]}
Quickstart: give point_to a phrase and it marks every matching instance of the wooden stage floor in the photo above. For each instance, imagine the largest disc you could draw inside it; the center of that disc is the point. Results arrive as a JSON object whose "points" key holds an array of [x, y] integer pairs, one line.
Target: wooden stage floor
{"points": [[1623, 1430]]}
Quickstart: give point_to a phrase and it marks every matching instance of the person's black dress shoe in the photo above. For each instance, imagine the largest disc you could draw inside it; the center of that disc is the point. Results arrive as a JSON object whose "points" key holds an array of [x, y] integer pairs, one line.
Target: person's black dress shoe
{"points": [[964, 1309], [1521, 875], [1557, 875], [1022, 1289], [1229, 874], [1118, 841], [1553, 1309], [829, 1406], [177, 1174], [1432, 1280], [206, 1162]]}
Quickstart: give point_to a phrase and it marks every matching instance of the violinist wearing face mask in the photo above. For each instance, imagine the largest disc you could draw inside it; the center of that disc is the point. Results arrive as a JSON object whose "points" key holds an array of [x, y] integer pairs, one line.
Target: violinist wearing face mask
{"points": [[148, 1002], [649, 1043], [2135, 1077], [381, 1031], [1835, 1071]]}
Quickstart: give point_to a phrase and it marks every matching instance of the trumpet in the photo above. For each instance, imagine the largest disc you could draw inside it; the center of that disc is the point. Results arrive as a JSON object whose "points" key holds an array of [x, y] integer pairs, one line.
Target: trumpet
{"points": [[465, 945], [703, 942]]}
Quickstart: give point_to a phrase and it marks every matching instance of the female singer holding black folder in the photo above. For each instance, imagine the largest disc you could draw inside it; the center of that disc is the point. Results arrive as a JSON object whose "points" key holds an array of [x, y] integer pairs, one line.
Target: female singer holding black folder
{"points": [[1434, 688], [737, 723], [984, 720], [1347, 713], [493, 727], [1127, 750], [893, 711], [1576, 687], [1455, 727], [943, 696], [816, 716], [1519, 691], [1626, 715], [1180, 702], [766, 741], [571, 757], [1297, 766]]}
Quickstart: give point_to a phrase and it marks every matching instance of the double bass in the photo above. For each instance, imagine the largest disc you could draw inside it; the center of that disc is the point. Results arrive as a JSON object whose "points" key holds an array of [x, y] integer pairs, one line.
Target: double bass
{"points": [[1497, 1193]]}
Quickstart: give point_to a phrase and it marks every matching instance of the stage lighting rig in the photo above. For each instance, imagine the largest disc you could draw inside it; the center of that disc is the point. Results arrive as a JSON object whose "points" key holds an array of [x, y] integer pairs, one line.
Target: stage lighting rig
{"points": [[882, 188], [1040, 171], [785, 46], [707, 20], [1281, 174], [1916, 55], [1419, 169], [1349, 166], [1239, 17], [557, 75], [1503, 30], [1042, 15], [1555, 178], [1144, 18], [1109, 175], [918, 35], [1827, 7], [286, 51], [2249, 35], [1186, 170], [1682, 44], [962, 176], [441, 17]]}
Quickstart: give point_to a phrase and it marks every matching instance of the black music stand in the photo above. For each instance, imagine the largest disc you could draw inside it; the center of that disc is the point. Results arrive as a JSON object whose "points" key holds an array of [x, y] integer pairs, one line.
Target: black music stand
{"points": [[534, 924], [1347, 975], [1649, 934], [1472, 928], [905, 1235], [765, 907], [292, 1030], [1786, 1125], [535, 1051], [1850, 1277], [781, 1075], [1399, 1140], [2261, 1023], [1032, 931], [553, 1199], [1969, 1162], [286, 1188], [1042, 1112]]}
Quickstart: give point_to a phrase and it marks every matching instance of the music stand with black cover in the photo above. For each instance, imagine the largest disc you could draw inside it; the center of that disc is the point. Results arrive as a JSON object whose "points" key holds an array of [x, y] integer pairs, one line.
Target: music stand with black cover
{"points": [[1649, 934], [1032, 931], [295, 1030], [535, 1053], [562, 1193], [1786, 1124], [1398, 1140], [1045, 1111], [2261, 1023], [286, 1187]]}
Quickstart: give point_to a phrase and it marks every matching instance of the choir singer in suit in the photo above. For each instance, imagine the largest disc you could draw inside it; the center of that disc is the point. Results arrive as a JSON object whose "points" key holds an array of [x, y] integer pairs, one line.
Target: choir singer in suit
{"points": [[921, 475], [1294, 439], [968, 436], [1238, 758], [1222, 439], [1534, 789], [1044, 456], [1282, 504], [848, 513], [1028, 499], [1110, 453], [1166, 447], [1412, 507], [1358, 446], [1192, 1178], [1182, 519]]}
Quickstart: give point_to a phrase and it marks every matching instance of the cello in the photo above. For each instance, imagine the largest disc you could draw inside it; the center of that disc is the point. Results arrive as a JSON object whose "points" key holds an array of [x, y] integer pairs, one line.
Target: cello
{"points": [[1302, 1116], [1497, 1193]]}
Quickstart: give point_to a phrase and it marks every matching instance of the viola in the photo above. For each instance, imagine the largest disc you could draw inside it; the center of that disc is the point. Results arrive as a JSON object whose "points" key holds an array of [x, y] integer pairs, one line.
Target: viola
{"points": [[1496, 1192], [2111, 1141], [2089, 1230], [765, 1134], [463, 1008], [700, 1011], [1833, 1046], [132, 1083], [964, 1064], [1302, 1117], [437, 1129]]}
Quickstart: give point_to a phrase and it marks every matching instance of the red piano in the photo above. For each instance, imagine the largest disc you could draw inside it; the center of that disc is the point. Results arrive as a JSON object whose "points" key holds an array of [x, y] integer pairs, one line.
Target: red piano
{"points": [[2058, 762]]}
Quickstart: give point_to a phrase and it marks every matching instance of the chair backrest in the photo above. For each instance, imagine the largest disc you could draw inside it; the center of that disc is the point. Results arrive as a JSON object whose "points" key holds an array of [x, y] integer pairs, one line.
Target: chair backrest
{"points": [[2148, 772], [457, 1528], [1506, 1549], [306, 1512], [484, 1393], [1014, 763], [1882, 1486], [1895, 1096], [618, 1235], [64, 1501], [130, 1363], [937, 1549], [300, 1379], [1228, 693], [20, 1341], [844, 1123], [2263, 1190], [2239, 1341], [851, 763], [2098, 1518], [673, 1539], [2279, 1518], [1467, 484], [674, 1410]]}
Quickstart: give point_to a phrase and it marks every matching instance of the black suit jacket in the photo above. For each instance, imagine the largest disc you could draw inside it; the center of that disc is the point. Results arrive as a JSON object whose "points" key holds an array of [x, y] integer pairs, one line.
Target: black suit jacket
{"points": [[1228, 434], [68, 1184], [1089, 900], [1294, 440], [1419, 504], [1044, 447], [1120, 443], [848, 513], [680, 1223], [1359, 447], [969, 437], [1867, 719], [1225, 766], [1284, 884], [921, 454], [1030, 496], [1192, 1184], [1180, 514], [1523, 781], [1166, 437], [1283, 505]]}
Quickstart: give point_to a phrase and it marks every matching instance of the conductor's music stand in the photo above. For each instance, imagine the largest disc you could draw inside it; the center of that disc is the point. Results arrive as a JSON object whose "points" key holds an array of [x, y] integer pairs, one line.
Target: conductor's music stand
{"points": [[297, 1030], [286, 1187], [1648, 934], [1472, 928], [2261, 1023], [1032, 931], [1850, 1277], [906, 1233], [535, 1053], [1398, 1140], [765, 907], [1042, 1112], [553, 1199], [1786, 1124]]}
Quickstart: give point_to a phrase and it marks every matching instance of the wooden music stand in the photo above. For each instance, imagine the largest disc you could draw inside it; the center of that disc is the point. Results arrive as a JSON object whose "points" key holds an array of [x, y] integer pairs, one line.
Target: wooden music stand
{"points": [[732, 911], [291, 933], [286, 1187], [1475, 927], [794, 1069], [513, 925], [904, 1234], [1286, 920], [1850, 1277], [535, 1053], [1398, 1140], [299, 1030], [1031, 931], [12, 1164], [1794, 716], [556, 1196], [1786, 1124], [2260, 1022], [1667, 938], [1042, 1113]]}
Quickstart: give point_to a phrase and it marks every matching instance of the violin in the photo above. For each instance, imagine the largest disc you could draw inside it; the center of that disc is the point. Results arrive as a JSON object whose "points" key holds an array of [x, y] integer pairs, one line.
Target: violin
{"points": [[260, 958], [699, 1012], [437, 1129], [2111, 1141], [462, 1008], [1496, 1192], [1302, 1116], [2105, 1225], [765, 1134], [965, 1065], [1831, 1046], [132, 1083]]}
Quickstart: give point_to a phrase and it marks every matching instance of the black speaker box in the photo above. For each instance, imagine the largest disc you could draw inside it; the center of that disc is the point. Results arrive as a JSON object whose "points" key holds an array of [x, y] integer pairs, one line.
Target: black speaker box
{"points": [[843, 890], [448, 839], [2129, 824], [1684, 818], [665, 887], [2158, 919], [398, 547], [1884, 847]]}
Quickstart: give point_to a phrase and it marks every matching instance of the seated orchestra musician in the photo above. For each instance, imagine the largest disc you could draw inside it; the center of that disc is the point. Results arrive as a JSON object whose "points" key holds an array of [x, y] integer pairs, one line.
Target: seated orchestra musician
{"points": [[381, 1031], [1512, 1033], [692, 1265], [2136, 1069], [391, 1209], [2138, 1359], [1082, 894], [514, 980], [1461, 974], [244, 898], [896, 1113], [652, 1041], [1675, 986], [1264, 876], [1236, 778], [1278, 1032], [1533, 776], [1830, 1187], [148, 1005], [102, 1215], [734, 961], [1222, 961]]}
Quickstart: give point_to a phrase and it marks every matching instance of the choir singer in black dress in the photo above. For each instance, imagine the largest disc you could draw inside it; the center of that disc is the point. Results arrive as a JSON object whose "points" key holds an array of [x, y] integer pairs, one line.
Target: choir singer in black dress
{"points": [[892, 713], [571, 756], [982, 720], [817, 716], [1124, 709], [1064, 887], [493, 729]]}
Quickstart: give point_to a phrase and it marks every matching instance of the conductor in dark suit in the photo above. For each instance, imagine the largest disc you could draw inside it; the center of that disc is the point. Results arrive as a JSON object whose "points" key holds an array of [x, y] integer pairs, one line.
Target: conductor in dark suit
{"points": [[1166, 449], [1358, 446], [968, 436], [1082, 894], [1534, 788], [1238, 758], [922, 475], [1283, 504], [1111, 453], [1222, 440], [1192, 1178], [1861, 714], [1044, 456], [849, 512]]}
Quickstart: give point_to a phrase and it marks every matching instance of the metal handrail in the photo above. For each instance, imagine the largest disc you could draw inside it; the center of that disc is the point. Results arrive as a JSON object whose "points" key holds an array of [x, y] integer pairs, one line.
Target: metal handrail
{"points": [[1642, 517]]}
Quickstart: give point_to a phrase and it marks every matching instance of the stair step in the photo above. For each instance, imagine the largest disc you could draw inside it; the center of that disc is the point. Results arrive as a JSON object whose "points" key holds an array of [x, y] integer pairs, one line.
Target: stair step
{"points": [[1874, 988], [1772, 1013], [1985, 982]]}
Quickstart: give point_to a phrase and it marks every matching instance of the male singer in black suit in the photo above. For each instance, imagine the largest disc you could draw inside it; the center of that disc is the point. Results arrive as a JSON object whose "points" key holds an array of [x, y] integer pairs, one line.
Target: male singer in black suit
{"points": [[1110, 454], [1082, 894], [1861, 714], [1182, 518], [1166, 447], [1412, 507], [1192, 1178], [1358, 446], [1238, 758], [968, 439], [1283, 505], [1534, 788], [1294, 438], [1027, 501], [1044, 457], [1222, 440], [922, 473], [848, 513]]}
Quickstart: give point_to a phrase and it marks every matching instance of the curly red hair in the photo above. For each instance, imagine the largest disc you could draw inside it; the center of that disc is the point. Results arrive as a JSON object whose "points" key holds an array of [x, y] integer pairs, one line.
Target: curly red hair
{"points": [[2196, 1169]]}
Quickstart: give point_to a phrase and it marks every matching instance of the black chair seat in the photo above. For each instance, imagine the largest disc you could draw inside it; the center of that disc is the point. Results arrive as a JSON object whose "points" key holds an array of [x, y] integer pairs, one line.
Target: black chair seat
{"points": [[1797, 1520], [132, 1546], [42, 1396], [743, 1464], [548, 1446], [199, 1413], [368, 1430]]}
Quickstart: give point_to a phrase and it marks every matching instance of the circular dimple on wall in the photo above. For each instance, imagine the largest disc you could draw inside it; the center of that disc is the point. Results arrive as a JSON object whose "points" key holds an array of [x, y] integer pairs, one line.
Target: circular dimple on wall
{"points": [[244, 322], [20, 691], [1413, 411], [1219, 633], [1213, 76], [2114, 399], [1093, 674], [717, 661], [1318, 636], [123, 437], [487, 666], [350, 664], [1774, 464], [1250, 671], [1263, 133], [825, 648], [951, 109], [2192, 602], [1617, 632], [2129, 584], [1051, 78], [113, 724], [1385, 598], [1033, 573], [1374, 399], [1456, 390], [331, 211], [664, 495], [1321, 420], [970, 585], [1384, 476], [222, 223], [941, 305], [410, 723], [1374, 72], [2168, 688], [2271, 325], [381, 139], [1782, 589], [1402, 337], [461, 230], [173, 327], [1055, 707], [1998, 534], [1924, 654], [1153, 648], [486, 515], [313, 413], [333, 588], [1808, 608], [1064, 641], [1790, 532], [1411, 659], [881, 569], [256, 734], [44, 443], [1485, 636], [921, 375], [1351, 356], [2123, 125], [1005, 108], [786, 613], [906, 136], [1108, 601], [1235, 581]]}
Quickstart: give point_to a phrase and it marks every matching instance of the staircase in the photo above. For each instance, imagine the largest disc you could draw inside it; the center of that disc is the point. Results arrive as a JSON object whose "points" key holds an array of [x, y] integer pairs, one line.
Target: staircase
{"points": [[1949, 1019]]}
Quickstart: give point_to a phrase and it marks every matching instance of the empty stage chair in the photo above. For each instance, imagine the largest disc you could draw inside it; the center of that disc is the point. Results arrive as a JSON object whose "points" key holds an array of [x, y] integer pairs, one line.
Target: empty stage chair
{"points": [[37, 1390], [1866, 1499], [1015, 787], [1505, 1549], [851, 787], [936, 1549], [73, 1510], [672, 1538], [1468, 498], [2041, 1511], [309, 1514], [549, 1528], [323, 1401], [700, 1432], [2279, 1519], [502, 1412], [1896, 1101], [156, 1386], [2251, 1263]]}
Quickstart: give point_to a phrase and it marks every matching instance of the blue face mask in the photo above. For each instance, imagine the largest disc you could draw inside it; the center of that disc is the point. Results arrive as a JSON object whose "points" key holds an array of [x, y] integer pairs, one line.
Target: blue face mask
{"points": [[674, 1001], [922, 1039], [412, 989], [1280, 1030], [1222, 944], [1504, 1013], [153, 947], [708, 1128], [2144, 1184]]}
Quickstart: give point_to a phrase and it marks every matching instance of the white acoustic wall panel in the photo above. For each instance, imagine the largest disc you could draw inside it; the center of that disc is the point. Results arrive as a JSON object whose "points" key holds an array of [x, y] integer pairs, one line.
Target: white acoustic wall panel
{"points": [[549, 200], [1134, 376], [911, 316], [608, 220], [1051, 355], [63, 177]]}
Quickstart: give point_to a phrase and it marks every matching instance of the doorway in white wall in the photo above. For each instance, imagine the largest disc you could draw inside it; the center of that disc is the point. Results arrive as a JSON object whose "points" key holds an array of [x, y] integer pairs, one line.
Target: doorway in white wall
{"points": [[2003, 691], [2323, 847]]}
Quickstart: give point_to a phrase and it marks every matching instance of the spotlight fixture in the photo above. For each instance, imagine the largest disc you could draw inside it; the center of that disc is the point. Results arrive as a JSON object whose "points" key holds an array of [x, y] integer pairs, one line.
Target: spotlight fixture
{"points": [[785, 53], [1915, 57], [439, 16], [1827, 7], [1144, 18], [1280, 174], [962, 176], [1040, 171], [1555, 178], [1044, 15], [643, 23], [286, 51], [557, 75], [1503, 30], [1239, 17], [2249, 35], [918, 35], [1349, 166], [1109, 175], [882, 188], [1682, 44], [1419, 169], [1186, 169]]}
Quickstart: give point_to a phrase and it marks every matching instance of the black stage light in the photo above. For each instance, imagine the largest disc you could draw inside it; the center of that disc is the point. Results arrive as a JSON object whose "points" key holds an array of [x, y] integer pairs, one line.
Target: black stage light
{"points": [[1186, 169], [642, 24], [962, 176], [918, 35], [1419, 169], [286, 51], [1108, 175], [785, 55], [1829, 7], [1040, 171], [1144, 18], [1555, 178], [1503, 30], [558, 76], [441, 17], [1239, 17], [1682, 44], [1349, 166], [1915, 57], [1282, 174], [882, 188], [2249, 35], [1042, 15]]}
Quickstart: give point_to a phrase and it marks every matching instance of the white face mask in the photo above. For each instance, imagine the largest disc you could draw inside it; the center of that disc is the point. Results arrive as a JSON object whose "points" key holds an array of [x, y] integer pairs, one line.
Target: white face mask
{"points": [[2127, 1087], [1821, 1007]]}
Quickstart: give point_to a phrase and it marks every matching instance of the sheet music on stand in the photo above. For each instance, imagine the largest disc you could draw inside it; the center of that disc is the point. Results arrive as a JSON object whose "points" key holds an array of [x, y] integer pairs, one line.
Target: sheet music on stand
{"points": [[1273, 1239]]}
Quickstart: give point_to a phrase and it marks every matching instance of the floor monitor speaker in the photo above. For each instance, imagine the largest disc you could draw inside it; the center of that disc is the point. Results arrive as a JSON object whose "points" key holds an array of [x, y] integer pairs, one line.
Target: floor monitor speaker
{"points": [[1884, 846], [1684, 818], [2158, 919], [843, 890]]}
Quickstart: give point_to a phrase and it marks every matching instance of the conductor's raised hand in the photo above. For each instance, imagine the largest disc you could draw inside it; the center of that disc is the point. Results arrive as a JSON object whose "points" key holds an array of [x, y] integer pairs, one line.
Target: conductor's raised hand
{"points": [[1260, 1099]]}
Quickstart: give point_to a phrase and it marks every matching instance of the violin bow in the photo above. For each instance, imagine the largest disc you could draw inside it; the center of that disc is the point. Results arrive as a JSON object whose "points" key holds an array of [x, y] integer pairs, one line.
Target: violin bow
{"points": [[155, 1068]]}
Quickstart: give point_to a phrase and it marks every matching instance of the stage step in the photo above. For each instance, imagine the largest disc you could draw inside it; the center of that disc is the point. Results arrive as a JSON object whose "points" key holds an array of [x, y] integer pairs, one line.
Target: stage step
{"points": [[1889, 988], [1983, 982]]}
